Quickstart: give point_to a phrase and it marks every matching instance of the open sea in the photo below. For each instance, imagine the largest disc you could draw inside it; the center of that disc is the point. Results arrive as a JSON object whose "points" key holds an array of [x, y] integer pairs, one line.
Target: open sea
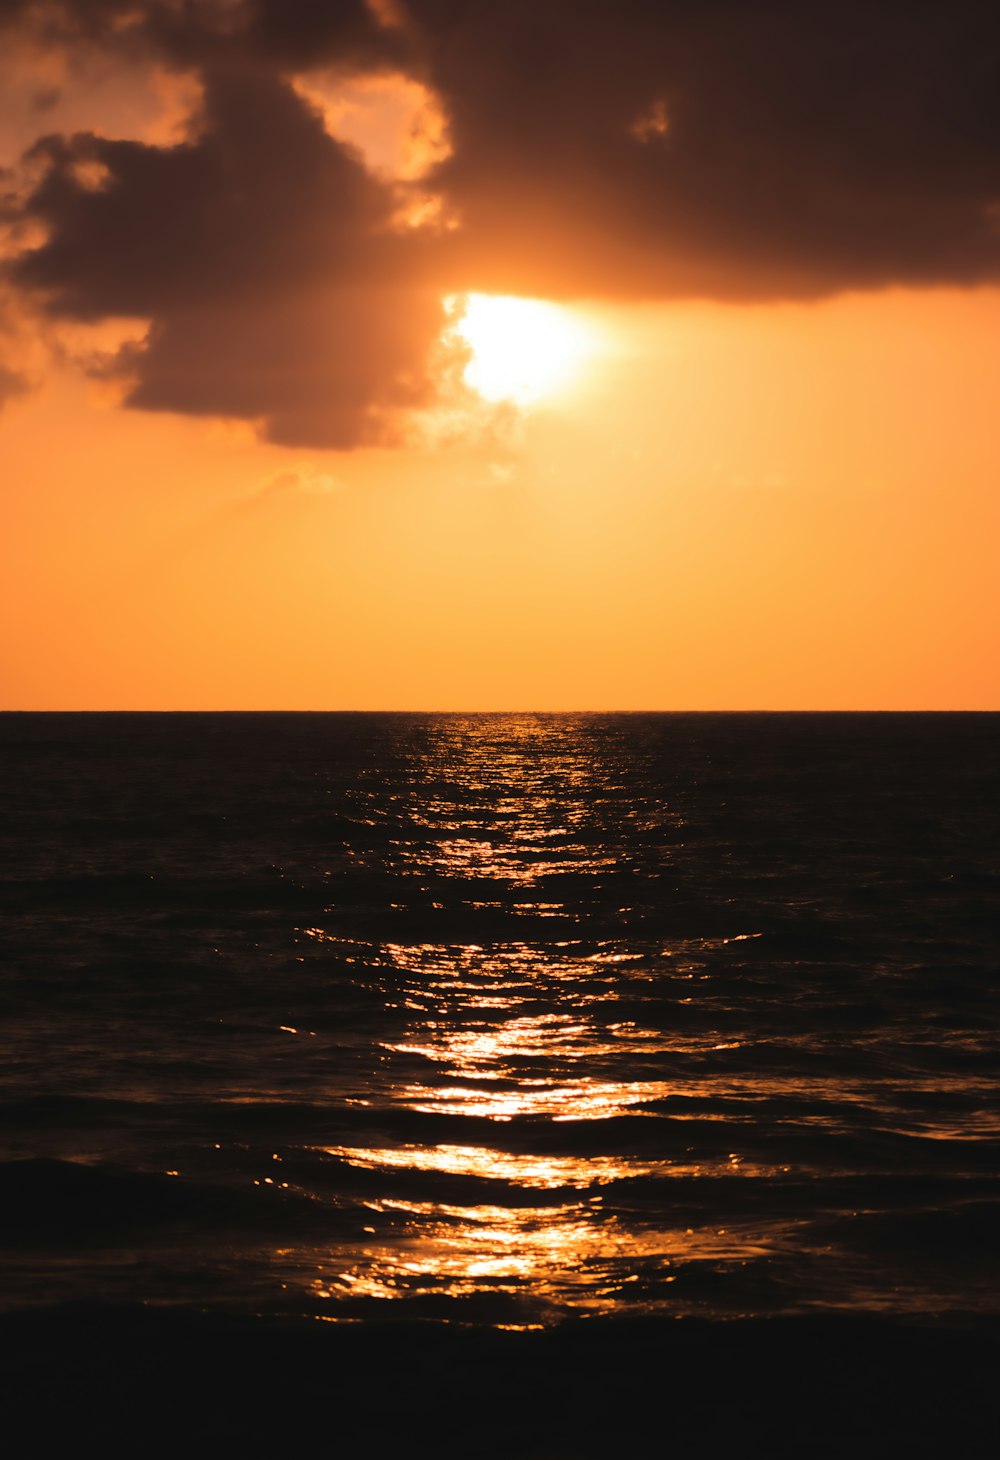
{"points": [[489, 1025]]}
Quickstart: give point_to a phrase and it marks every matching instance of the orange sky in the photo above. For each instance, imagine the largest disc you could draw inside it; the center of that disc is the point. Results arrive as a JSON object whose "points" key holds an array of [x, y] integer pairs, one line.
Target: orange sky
{"points": [[781, 506], [756, 505]]}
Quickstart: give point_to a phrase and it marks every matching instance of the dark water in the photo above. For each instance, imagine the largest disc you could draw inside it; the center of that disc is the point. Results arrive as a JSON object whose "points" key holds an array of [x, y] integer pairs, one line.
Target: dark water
{"points": [[502, 1019]]}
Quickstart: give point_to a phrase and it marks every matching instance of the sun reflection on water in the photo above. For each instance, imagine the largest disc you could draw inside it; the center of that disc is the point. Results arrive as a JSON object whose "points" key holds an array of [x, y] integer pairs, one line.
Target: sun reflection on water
{"points": [[526, 1169], [530, 1036]]}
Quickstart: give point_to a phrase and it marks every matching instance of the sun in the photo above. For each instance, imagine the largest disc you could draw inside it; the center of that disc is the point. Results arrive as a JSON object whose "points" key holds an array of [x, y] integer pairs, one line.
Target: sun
{"points": [[522, 349]]}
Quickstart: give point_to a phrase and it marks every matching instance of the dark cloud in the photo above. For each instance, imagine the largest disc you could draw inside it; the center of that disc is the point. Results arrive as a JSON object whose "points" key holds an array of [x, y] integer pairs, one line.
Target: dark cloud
{"points": [[285, 33], [318, 368], [806, 147], [261, 198], [262, 254], [616, 148]]}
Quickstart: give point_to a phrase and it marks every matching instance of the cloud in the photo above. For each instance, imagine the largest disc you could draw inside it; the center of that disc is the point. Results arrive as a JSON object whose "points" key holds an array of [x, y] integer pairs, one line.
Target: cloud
{"points": [[301, 480], [282, 33], [263, 254], [720, 148], [608, 148], [24, 353], [11, 384]]}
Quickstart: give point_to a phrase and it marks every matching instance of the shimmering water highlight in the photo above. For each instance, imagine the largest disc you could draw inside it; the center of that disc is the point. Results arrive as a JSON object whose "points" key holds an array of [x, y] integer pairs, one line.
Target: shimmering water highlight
{"points": [[501, 1019]]}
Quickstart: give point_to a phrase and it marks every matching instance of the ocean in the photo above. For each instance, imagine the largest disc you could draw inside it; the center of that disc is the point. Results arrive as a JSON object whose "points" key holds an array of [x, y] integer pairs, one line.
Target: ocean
{"points": [[416, 1030]]}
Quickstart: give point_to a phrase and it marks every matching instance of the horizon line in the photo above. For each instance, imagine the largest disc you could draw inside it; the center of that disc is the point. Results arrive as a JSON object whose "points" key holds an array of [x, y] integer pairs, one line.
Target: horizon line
{"points": [[758, 710]]}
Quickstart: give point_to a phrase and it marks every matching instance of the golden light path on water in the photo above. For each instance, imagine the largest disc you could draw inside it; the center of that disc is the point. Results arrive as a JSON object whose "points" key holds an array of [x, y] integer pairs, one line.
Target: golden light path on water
{"points": [[498, 1020], [518, 1034]]}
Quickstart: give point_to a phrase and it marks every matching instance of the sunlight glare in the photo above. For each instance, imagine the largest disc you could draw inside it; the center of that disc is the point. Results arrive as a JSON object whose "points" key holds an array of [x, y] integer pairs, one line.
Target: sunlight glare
{"points": [[522, 349]]}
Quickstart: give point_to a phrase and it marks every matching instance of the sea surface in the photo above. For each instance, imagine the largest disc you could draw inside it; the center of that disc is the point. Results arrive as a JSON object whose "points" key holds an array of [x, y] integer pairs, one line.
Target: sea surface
{"points": [[501, 1020]]}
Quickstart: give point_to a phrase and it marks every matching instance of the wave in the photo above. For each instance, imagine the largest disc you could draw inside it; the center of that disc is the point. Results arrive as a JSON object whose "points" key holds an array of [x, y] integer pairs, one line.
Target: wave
{"points": [[64, 1203]]}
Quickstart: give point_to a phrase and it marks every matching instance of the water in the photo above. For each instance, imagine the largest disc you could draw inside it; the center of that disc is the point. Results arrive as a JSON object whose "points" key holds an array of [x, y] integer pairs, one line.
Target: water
{"points": [[501, 1020]]}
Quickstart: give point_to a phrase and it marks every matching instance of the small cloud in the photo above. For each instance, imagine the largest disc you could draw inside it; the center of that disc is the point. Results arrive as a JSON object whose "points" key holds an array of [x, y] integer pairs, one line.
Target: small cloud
{"points": [[90, 174], [301, 480], [396, 124], [652, 123], [389, 14], [180, 95], [467, 421], [45, 98], [234, 431], [25, 350], [11, 384], [419, 208]]}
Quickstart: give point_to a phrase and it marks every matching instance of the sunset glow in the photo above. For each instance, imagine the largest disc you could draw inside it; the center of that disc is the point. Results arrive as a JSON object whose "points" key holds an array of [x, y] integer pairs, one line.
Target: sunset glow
{"points": [[498, 724], [373, 369]]}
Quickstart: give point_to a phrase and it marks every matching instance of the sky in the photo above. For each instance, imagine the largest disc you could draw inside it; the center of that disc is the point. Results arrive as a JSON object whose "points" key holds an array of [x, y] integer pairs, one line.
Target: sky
{"points": [[429, 354]]}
